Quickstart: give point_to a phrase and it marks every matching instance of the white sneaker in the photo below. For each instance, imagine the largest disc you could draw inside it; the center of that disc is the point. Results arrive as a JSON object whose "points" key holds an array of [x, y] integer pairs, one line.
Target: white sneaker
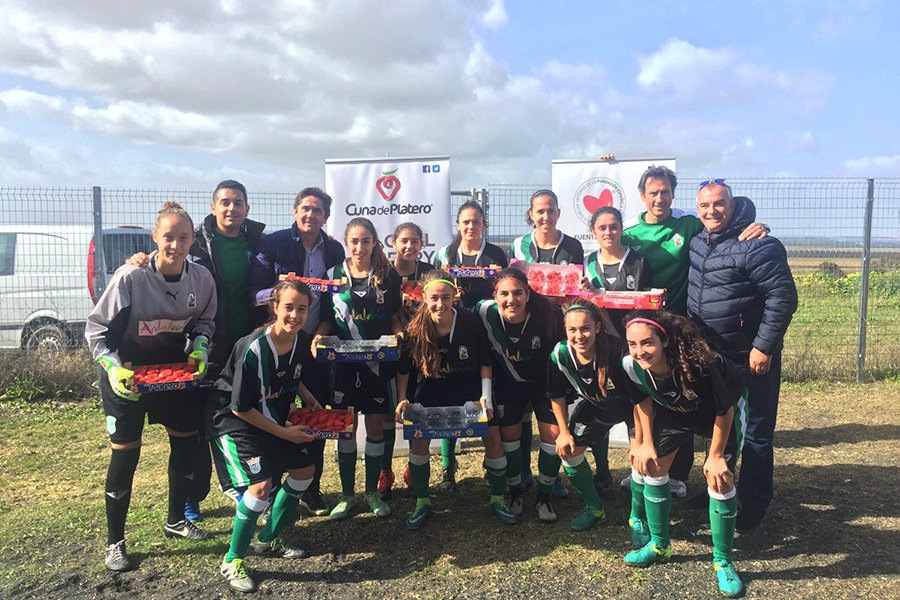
{"points": [[625, 484], [679, 488], [237, 575], [545, 512], [516, 505]]}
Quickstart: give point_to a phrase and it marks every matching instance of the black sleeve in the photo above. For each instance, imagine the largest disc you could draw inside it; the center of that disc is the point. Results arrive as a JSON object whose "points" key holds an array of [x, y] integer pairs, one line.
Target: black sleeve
{"points": [[557, 384], [393, 292], [404, 361], [497, 255], [245, 387], [484, 348], [727, 384], [634, 393]]}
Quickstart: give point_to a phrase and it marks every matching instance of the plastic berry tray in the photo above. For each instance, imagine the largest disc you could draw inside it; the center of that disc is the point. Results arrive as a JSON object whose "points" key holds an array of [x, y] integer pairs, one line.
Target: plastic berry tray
{"points": [[165, 377], [490, 271], [654, 299], [553, 281], [334, 350], [331, 286], [420, 423], [325, 424]]}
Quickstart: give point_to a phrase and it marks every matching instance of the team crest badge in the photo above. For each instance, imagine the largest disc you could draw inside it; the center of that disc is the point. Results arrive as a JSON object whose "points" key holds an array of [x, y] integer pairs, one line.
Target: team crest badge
{"points": [[338, 397], [379, 297], [297, 370], [678, 240], [689, 394], [254, 465], [535, 342], [111, 424], [192, 300], [463, 353], [629, 282], [609, 384], [564, 262]]}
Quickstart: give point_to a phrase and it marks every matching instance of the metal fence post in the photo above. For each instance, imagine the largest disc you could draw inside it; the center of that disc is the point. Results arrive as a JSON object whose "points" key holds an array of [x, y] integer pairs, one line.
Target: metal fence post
{"points": [[864, 283], [99, 268]]}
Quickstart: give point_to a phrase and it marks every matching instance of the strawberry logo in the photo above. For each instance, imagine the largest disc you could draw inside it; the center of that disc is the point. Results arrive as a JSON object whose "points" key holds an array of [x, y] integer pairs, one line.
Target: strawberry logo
{"points": [[388, 186], [592, 203]]}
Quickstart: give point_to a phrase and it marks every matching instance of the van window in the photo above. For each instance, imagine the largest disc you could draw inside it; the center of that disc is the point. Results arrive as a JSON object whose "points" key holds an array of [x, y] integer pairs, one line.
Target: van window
{"points": [[118, 247], [7, 253]]}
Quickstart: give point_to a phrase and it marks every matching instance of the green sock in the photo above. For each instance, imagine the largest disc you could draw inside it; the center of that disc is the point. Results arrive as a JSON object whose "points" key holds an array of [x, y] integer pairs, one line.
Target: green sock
{"points": [[548, 470], [600, 451], [286, 503], [513, 462], [721, 521], [638, 513], [496, 470], [347, 470], [581, 478], [374, 455], [390, 435], [420, 502], [525, 445], [658, 504], [448, 452], [420, 475], [242, 533]]}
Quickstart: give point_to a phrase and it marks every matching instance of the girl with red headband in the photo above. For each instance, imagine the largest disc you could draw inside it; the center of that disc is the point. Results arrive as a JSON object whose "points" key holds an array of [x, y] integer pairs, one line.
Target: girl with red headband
{"points": [[522, 328], [681, 387], [587, 365]]}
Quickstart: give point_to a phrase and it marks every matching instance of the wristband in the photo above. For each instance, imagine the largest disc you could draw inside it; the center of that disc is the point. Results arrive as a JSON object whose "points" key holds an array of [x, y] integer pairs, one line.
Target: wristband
{"points": [[486, 392]]}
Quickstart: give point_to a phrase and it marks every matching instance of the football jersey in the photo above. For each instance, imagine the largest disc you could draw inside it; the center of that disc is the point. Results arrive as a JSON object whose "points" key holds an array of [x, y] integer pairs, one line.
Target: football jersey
{"points": [[666, 246], [716, 389], [257, 378], [568, 251], [473, 288], [566, 375], [463, 352], [520, 351]]}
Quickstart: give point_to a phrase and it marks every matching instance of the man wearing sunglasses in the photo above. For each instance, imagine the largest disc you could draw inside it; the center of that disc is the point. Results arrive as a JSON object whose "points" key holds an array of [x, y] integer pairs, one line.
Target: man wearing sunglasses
{"points": [[742, 295]]}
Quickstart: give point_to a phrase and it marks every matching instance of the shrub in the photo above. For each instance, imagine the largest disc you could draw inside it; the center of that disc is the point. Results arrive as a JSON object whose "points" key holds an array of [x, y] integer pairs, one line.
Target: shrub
{"points": [[35, 377]]}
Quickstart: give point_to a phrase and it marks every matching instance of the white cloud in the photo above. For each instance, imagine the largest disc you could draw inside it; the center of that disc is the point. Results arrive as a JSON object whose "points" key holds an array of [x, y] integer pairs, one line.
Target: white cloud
{"points": [[496, 16], [699, 77], [872, 166]]}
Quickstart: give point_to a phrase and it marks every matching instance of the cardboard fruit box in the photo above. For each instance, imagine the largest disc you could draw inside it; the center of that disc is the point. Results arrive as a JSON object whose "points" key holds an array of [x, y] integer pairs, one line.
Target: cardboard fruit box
{"points": [[333, 350], [490, 271], [164, 377], [331, 286], [311, 418], [420, 423], [654, 299]]}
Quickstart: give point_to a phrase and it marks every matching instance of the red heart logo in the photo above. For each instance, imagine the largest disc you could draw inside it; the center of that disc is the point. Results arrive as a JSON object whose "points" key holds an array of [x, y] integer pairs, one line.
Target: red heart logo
{"points": [[592, 203], [388, 186]]}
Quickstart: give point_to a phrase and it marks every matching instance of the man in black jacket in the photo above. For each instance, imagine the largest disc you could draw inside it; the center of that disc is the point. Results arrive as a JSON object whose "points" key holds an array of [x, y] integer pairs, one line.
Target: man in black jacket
{"points": [[305, 250], [743, 296]]}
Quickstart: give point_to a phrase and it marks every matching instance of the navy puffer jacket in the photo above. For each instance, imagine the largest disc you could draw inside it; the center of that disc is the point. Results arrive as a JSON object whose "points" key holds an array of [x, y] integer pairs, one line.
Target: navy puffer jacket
{"points": [[741, 294]]}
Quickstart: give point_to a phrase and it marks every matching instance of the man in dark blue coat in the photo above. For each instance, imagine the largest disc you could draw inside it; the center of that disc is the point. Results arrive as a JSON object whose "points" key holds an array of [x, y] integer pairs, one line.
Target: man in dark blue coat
{"points": [[742, 295], [305, 250]]}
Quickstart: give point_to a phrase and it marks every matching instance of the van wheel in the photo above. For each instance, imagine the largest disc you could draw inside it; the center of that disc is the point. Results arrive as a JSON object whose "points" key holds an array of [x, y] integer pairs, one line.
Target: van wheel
{"points": [[46, 339]]}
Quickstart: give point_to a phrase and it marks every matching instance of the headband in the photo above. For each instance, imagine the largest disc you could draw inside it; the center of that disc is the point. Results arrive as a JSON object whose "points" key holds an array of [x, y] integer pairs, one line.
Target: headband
{"points": [[450, 283], [648, 321], [588, 307], [519, 281]]}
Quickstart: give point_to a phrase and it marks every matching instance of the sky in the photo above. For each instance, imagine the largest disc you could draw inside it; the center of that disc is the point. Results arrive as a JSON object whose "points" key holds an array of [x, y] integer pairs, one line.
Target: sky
{"points": [[179, 94]]}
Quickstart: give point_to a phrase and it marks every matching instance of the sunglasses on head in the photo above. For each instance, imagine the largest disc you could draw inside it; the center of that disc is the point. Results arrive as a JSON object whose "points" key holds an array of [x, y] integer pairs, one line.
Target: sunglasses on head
{"points": [[703, 184]]}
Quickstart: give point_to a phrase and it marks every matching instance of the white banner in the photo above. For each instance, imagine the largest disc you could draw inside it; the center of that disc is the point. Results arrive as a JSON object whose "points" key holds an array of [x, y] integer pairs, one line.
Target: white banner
{"points": [[390, 191], [583, 186]]}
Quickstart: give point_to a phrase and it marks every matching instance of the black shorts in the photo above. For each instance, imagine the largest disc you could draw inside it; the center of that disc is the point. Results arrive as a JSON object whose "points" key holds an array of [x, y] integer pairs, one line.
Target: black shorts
{"points": [[591, 422], [252, 457], [353, 384], [180, 411], [673, 429], [511, 401]]}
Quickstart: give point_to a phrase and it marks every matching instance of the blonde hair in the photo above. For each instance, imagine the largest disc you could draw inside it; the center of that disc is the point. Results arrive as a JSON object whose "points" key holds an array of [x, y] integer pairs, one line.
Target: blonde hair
{"points": [[173, 209], [422, 335]]}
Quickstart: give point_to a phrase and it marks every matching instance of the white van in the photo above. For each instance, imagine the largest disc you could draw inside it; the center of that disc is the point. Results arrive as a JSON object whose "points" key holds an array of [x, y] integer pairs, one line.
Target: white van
{"points": [[46, 280]]}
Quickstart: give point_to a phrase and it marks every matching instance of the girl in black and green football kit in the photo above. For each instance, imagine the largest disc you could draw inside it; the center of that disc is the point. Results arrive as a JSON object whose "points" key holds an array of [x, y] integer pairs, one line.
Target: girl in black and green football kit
{"points": [[367, 310], [449, 349], [254, 395], [150, 316], [547, 245], [407, 243], [588, 364], [467, 249], [522, 328], [680, 388]]}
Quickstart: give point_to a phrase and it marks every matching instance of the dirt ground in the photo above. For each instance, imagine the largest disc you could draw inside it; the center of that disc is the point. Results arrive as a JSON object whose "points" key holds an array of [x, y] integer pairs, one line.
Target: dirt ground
{"points": [[829, 533]]}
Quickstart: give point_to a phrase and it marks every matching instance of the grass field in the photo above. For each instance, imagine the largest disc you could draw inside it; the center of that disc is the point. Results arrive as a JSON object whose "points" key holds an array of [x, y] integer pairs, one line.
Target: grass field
{"points": [[828, 535]]}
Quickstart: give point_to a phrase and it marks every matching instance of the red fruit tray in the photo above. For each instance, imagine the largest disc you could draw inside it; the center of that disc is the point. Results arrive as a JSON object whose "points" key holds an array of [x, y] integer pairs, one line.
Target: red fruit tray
{"points": [[164, 377], [490, 271], [325, 424], [331, 286], [552, 281], [412, 295], [654, 299]]}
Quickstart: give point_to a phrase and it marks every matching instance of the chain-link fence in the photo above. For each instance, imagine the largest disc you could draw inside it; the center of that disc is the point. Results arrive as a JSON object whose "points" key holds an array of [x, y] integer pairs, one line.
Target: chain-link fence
{"points": [[52, 265]]}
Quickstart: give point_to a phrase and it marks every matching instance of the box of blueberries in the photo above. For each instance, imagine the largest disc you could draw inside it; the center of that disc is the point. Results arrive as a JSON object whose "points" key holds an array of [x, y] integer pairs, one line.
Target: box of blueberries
{"points": [[421, 423]]}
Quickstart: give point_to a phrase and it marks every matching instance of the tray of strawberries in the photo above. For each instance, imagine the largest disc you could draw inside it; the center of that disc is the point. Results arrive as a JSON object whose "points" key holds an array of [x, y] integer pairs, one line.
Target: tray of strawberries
{"points": [[331, 286], [412, 294], [654, 299], [324, 423], [556, 282], [165, 377], [490, 271]]}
